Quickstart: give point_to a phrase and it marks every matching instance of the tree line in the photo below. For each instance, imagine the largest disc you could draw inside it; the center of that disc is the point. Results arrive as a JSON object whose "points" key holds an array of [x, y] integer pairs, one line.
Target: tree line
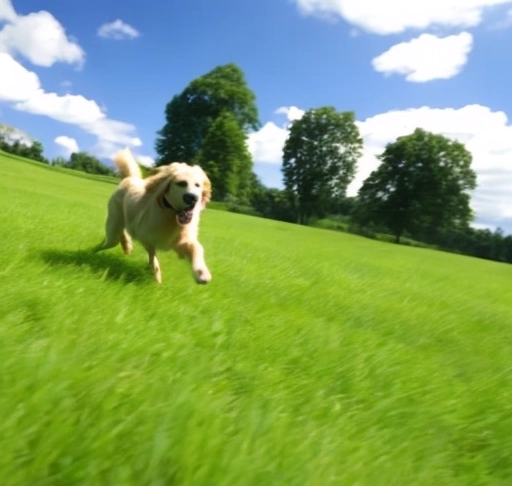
{"points": [[13, 141], [420, 191], [16, 142], [83, 162]]}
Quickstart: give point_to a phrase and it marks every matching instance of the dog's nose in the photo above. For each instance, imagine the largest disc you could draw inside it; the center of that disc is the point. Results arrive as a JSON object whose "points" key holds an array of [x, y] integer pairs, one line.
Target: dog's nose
{"points": [[190, 198]]}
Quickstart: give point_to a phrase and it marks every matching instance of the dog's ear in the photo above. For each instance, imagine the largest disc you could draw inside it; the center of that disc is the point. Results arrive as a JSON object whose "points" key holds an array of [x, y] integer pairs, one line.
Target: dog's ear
{"points": [[207, 191], [170, 172], [160, 181]]}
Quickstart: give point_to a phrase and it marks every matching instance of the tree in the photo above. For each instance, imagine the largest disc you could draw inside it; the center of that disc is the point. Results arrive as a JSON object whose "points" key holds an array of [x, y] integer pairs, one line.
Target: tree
{"points": [[59, 162], [87, 163], [190, 114], [319, 159], [421, 187], [272, 203], [35, 152], [225, 158]]}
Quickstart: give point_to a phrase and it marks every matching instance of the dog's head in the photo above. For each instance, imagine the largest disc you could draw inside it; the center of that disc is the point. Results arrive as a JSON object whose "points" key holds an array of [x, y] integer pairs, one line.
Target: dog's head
{"points": [[188, 187]]}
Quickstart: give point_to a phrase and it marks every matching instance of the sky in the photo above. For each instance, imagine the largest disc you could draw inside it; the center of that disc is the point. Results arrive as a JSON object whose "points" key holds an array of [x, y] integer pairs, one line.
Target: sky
{"points": [[96, 75]]}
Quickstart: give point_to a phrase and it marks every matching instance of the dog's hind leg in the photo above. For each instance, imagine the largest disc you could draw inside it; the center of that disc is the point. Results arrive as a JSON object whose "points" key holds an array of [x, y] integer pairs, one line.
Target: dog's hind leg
{"points": [[154, 264], [126, 242], [114, 226]]}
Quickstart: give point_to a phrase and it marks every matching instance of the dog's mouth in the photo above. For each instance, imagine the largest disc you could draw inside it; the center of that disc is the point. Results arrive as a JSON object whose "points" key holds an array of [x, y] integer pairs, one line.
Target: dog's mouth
{"points": [[184, 216]]}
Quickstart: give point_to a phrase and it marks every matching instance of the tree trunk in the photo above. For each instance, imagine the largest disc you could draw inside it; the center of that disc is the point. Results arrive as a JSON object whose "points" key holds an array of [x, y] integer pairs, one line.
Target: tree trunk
{"points": [[302, 218]]}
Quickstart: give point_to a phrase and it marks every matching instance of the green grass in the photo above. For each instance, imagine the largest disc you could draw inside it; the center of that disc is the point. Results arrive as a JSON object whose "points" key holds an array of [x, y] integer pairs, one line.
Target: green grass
{"points": [[313, 358]]}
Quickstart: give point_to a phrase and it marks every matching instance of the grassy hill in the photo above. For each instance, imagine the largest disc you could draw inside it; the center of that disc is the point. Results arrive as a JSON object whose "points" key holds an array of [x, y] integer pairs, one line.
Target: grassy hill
{"points": [[313, 358]]}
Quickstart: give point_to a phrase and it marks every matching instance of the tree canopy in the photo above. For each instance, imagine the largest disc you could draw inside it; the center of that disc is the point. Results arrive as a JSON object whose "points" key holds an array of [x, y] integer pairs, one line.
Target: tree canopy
{"points": [[190, 114], [421, 187], [319, 159], [226, 159]]}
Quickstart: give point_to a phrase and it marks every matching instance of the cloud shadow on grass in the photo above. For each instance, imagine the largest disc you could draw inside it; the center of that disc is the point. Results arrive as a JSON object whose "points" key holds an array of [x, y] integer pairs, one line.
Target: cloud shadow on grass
{"points": [[107, 265]]}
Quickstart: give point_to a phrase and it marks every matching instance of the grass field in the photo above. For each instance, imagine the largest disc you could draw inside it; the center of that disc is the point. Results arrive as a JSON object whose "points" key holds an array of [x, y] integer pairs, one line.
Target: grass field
{"points": [[313, 358]]}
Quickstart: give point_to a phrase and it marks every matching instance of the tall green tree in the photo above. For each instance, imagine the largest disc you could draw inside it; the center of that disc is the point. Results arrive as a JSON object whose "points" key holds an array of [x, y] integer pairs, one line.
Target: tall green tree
{"points": [[190, 114], [421, 187], [319, 159], [226, 159]]}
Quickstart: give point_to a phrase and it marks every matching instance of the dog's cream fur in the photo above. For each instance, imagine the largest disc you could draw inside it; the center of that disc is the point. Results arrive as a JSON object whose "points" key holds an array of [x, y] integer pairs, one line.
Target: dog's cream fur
{"points": [[147, 210]]}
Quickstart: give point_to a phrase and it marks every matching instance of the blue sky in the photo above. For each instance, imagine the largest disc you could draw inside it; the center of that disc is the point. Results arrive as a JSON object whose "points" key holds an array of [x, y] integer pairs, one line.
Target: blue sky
{"points": [[97, 75]]}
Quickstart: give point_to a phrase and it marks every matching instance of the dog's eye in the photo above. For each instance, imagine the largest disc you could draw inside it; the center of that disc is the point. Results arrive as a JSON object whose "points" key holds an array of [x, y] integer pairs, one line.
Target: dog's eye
{"points": [[182, 183], [197, 184]]}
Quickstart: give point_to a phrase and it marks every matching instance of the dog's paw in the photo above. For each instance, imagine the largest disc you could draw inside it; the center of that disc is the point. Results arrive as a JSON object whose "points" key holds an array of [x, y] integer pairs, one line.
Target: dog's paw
{"points": [[202, 275]]}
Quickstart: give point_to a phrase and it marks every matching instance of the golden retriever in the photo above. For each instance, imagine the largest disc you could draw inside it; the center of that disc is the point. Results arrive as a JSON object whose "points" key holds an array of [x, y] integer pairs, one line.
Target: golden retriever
{"points": [[161, 211]]}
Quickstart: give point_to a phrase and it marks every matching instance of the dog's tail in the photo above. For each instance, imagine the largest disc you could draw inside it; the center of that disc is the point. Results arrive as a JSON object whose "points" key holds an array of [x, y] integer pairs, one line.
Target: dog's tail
{"points": [[126, 164]]}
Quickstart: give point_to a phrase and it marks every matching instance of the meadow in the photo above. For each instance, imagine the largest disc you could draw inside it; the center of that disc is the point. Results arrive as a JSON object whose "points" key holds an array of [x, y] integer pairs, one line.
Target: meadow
{"points": [[314, 357]]}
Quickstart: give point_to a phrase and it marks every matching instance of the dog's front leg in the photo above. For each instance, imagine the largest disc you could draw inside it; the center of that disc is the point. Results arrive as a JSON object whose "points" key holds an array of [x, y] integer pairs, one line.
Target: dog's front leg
{"points": [[154, 264], [195, 254]]}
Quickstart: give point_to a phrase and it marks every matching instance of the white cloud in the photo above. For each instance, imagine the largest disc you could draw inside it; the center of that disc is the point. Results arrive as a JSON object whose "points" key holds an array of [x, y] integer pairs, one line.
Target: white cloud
{"points": [[394, 16], [38, 37], [486, 133], [15, 81], [7, 11], [41, 39], [73, 109], [22, 89], [117, 30], [69, 144], [266, 145], [292, 112], [427, 57]]}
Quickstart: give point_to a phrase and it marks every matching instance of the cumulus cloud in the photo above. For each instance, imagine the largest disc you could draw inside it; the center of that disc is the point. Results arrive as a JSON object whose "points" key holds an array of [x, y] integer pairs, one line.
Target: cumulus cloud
{"points": [[395, 16], [38, 37], [486, 133], [427, 57], [266, 145], [7, 11], [69, 144], [73, 109], [16, 81], [22, 89], [291, 112], [117, 30], [42, 40]]}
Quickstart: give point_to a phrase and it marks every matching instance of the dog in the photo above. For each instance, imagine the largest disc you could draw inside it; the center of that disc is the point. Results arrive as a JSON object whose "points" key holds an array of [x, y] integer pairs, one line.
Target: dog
{"points": [[160, 211]]}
